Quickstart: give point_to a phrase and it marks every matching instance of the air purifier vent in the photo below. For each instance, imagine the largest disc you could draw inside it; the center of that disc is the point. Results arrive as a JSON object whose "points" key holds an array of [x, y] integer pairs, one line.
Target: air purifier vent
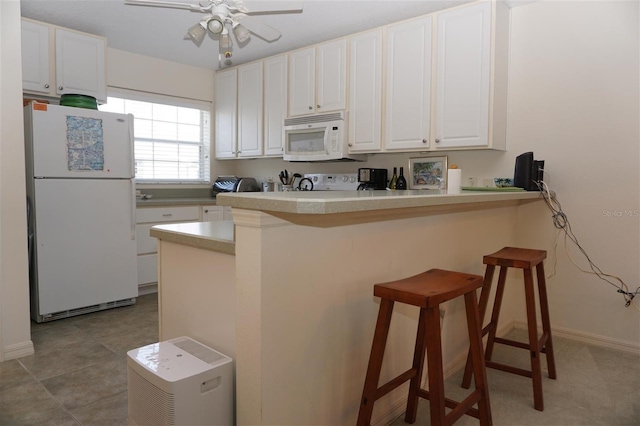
{"points": [[179, 382], [199, 351], [148, 402]]}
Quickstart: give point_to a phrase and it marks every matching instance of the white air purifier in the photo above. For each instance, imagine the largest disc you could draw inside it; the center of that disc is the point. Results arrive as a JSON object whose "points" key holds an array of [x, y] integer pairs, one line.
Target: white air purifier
{"points": [[179, 382]]}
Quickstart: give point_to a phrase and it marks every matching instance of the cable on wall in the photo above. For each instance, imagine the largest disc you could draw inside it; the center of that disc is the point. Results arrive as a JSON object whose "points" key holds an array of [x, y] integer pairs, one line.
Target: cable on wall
{"points": [[561, 222]]}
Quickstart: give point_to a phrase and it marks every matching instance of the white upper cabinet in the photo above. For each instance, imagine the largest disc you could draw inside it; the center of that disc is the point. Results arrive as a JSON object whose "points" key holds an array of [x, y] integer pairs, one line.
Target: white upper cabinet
{"points": [[80, 65], [302, 82], [275, 104], [470, 105], [408, 85], [365, 92], [35, 58], [226, 103], [332, 76], [78, 60], [317, 78], [250, 110]]}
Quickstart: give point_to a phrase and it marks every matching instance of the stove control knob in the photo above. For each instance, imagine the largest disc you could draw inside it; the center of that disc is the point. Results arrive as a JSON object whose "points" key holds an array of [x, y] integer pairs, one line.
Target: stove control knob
{"points": [[345, 178], [352, 179]]}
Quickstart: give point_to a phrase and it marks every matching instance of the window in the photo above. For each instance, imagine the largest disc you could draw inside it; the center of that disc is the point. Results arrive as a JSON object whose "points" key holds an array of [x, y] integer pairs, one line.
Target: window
{"points": [[171, 136]]}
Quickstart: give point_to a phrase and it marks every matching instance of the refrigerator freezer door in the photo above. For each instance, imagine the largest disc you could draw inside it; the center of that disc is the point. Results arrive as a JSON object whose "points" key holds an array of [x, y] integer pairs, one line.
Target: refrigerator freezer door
{"points": [[85, 253], [80, 143]]}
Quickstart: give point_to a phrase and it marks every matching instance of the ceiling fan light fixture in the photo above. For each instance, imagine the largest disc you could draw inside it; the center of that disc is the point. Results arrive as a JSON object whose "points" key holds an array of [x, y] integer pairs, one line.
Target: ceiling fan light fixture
{"points": [[241, 32], [197, 33], [215, 25], [225, 41]]}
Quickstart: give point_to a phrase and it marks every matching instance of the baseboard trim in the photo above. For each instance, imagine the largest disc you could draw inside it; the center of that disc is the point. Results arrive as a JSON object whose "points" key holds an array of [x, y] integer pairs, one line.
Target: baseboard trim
{"points": [[147, 289], [589, 338], [18, 350]]}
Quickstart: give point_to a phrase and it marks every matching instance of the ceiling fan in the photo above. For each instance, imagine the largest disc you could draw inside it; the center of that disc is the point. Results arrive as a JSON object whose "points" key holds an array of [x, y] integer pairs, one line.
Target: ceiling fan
{"points": [[224, 15]]}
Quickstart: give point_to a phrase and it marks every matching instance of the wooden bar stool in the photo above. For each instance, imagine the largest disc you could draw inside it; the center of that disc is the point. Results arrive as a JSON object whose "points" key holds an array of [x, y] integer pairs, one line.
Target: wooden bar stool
{"points": [[427, 291], [525, 259]]}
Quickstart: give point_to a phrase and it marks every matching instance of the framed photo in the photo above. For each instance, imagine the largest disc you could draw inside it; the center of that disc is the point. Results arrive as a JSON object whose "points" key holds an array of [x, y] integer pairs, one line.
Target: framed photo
{"points": [[428, 173]]}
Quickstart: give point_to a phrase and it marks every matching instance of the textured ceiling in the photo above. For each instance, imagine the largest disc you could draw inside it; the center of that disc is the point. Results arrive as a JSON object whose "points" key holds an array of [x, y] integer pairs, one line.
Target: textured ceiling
{"points": [[159, 32]]}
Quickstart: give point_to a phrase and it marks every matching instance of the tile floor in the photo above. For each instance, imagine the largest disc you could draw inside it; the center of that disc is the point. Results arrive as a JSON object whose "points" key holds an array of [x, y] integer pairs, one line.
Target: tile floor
{"points": [[78, 373], [595, 386], [78, 377]]}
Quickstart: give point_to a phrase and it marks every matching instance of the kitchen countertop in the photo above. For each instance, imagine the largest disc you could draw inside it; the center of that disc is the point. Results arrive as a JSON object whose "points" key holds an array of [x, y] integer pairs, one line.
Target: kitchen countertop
{"points": [[215, 236], [332, 202]]}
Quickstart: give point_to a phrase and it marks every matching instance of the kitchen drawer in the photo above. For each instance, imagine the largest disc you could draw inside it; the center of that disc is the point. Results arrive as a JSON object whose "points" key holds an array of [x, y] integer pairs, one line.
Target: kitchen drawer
{"points": [[146, 243], [147, 269], [168, 214]]}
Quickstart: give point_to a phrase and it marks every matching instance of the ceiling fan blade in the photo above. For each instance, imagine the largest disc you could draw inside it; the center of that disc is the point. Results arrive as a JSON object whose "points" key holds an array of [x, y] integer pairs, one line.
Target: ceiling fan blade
{"points": [[263, 31], [169, 4], [273, 6]]}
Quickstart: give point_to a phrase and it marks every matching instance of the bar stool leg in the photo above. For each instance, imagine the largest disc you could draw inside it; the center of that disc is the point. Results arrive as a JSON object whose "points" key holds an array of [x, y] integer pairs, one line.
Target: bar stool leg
{"points": [[434, 364], [477, 357], [495, 315], [546, 322], [418, 363], [536, 371], [375, 362], [484, 301]]}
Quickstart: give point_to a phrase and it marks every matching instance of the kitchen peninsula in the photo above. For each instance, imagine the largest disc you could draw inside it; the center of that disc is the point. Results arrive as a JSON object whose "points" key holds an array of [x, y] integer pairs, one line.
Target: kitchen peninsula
{"points": [[294, 306]]}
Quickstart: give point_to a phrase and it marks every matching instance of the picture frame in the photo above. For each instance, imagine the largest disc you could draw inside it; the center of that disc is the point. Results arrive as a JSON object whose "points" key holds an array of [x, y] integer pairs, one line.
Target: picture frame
{"points": [[428, 172]]}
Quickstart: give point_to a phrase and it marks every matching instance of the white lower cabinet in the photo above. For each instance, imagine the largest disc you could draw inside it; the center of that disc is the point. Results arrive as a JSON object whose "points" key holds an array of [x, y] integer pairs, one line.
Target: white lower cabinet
{"points": [[147, 246], [147, 217], [213, 213]]}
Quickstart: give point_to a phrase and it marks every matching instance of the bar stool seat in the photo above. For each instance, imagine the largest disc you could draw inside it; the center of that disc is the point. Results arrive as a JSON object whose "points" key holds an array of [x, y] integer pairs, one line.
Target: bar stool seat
{"points": [[527, 260], [427, 291]]}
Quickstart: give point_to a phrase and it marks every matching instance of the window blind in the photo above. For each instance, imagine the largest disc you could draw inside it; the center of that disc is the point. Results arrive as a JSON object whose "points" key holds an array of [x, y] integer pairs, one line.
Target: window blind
{"points": [[172, 136]]}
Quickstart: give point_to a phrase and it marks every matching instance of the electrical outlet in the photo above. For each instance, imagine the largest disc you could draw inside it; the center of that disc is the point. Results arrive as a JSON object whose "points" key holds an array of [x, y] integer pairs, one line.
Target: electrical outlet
{"points": [[472, 181], [487, 182]]}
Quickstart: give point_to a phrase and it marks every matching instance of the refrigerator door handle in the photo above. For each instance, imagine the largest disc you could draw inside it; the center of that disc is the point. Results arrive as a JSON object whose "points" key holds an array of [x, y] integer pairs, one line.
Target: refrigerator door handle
{"points": [[133, 208]]}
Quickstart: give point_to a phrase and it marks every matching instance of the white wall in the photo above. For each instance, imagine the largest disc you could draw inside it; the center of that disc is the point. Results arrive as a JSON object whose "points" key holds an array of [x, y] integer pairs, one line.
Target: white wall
{"points": [[15, 338], [143, 73], [574, 100]]}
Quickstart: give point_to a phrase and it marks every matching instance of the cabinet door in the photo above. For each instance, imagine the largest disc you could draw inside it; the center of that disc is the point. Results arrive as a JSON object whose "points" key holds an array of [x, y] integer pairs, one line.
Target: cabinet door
{"points": [[463, 77], [35, 57], [331, 81], [226, 110], [250, 110], [80, 65], [365, 93], [212, 213], [275, 104], [302, 82], [147, 269], [227, 213], [408, 85]]}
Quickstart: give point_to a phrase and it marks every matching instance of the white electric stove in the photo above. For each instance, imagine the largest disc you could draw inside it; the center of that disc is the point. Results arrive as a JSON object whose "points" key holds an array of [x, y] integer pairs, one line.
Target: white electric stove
{"points": [[330, 182]]}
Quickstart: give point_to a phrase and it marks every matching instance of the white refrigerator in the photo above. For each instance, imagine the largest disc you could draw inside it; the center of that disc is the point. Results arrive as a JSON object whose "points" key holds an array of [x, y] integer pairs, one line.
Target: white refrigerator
{"points": [[81, 208]]}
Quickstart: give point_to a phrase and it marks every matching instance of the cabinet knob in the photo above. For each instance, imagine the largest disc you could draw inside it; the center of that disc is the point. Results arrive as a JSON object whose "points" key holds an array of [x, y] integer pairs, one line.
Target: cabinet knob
{"points": [[310, 107], [350, 145], [437, 140], [60, 87], [46, 86], [424, 141], [318, 106]]}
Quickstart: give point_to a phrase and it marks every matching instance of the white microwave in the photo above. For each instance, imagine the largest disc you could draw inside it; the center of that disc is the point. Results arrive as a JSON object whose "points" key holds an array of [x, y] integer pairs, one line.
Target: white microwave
{"points": [[320, 137]]}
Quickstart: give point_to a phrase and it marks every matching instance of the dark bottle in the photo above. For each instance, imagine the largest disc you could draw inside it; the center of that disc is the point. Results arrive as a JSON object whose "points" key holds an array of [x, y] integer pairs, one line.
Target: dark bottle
{"points": [[394, 179], [401, 183]]}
